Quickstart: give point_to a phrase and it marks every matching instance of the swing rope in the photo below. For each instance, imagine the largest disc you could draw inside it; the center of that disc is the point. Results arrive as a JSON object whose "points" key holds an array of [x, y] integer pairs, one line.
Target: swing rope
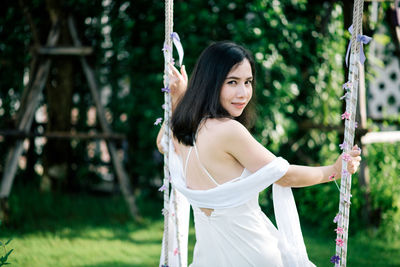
{"points": [[167, 113], [170, 37], [356, 59]]}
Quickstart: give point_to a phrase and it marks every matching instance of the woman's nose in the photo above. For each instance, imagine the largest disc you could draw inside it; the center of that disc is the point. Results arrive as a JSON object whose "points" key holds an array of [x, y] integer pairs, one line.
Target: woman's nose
{"points": [[241, 90]]}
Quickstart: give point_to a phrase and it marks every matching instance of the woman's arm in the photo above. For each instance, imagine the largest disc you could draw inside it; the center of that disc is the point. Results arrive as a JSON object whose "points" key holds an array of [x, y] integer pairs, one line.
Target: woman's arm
{"points": [[178, 83], [237, 141], [301, 176]]}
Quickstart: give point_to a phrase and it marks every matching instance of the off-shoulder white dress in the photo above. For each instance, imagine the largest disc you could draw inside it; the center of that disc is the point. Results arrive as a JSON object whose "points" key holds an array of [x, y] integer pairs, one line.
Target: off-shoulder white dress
{"points": [[237, 233]]}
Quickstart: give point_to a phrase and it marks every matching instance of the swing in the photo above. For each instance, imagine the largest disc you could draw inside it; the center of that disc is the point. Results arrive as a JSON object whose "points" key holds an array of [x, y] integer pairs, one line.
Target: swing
{"points": [[176, 207], [178, 218], [355, 75]]}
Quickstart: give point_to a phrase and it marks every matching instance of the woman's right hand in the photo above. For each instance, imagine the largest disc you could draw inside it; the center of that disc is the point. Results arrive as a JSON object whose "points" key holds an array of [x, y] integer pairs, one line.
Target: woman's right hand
{"points": [[177, 83]]}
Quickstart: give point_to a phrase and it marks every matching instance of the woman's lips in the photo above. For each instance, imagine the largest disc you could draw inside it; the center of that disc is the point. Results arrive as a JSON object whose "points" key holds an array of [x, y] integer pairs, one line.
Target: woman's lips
{"points": [[239, 105]]}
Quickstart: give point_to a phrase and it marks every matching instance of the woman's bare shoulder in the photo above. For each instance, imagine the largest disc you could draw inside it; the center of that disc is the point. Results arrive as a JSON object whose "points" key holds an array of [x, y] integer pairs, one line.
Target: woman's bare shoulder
{"points": [[224, 129]]}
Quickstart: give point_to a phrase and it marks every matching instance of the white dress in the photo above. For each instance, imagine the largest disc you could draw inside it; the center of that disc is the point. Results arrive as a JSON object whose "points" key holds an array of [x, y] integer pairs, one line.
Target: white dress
{"points": [[237, 233]]}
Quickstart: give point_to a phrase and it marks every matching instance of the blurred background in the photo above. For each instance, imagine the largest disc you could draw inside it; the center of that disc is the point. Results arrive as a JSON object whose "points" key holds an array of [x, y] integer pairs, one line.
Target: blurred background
{"points": [[80, 171]]}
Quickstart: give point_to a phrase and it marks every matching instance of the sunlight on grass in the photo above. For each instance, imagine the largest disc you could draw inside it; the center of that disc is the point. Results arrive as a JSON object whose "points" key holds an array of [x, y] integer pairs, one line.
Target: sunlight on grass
{"points": [[133, 245], [83, 230]]}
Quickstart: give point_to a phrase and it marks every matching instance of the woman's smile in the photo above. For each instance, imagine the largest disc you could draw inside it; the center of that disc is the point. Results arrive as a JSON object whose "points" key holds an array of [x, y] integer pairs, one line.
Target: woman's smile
{"points": [[240, 105]]}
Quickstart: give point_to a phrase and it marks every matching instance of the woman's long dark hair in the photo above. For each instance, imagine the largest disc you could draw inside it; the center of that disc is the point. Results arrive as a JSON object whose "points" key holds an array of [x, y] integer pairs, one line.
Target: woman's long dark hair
{"points": [[202, 97]]}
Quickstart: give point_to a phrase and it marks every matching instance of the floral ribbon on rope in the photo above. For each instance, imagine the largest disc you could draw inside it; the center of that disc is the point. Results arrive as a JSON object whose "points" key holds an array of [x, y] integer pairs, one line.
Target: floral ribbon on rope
{"points": [[178, 46], [363, 39], [168, 50], [168, 56]]}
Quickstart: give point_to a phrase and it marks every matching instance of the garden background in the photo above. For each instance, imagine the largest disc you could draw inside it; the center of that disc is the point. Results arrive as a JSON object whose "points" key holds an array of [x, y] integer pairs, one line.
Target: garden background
{"points": [[65, 207]]}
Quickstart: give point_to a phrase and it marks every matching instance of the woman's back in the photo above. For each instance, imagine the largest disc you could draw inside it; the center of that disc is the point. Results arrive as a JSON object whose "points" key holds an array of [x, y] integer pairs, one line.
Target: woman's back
{"points": [[210, 157], [236, 236]]}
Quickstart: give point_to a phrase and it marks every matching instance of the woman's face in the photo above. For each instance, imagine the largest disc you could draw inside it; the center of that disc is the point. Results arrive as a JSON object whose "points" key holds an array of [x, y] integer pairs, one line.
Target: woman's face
{"points": [[237, 88]]}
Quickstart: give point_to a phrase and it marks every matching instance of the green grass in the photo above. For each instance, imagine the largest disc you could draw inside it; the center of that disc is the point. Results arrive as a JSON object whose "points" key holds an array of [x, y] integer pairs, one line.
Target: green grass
{"points": [[82, 230], [94, 246]]}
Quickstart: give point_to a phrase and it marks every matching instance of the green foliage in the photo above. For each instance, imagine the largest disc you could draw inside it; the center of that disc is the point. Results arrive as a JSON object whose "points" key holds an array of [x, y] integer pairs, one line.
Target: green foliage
{"points": [[385, 188], [295, 49], [322, 201]]}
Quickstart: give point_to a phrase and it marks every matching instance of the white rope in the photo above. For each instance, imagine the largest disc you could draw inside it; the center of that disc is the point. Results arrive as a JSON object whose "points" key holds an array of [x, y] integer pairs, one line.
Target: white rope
{"points": [[167, 112], [168, 58], [351, 104]]}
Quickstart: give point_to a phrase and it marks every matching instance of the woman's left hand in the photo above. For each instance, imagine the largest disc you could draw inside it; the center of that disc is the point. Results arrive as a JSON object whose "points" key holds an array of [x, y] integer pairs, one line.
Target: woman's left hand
{"points": [[353, 161]]}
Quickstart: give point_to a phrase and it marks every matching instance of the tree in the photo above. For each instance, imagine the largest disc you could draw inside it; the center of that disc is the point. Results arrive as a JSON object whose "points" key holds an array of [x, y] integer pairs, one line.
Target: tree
{"points": [[59, 89]]}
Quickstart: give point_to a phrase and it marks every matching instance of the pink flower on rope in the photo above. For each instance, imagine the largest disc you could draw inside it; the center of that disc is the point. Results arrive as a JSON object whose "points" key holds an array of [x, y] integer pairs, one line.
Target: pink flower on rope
{"points": [[332, 177], [339, 242], [339, 230], [337, 218], [347, 86], [345, 172], [166, 48], [355, 124], [164, 106], [176, 251], [346, 157], [158, 121], [342, 145], [162, 188], [165, 90], [345, 115]]}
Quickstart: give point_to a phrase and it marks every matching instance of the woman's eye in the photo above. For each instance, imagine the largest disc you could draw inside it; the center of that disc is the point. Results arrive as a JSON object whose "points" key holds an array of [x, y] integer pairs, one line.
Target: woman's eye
{"points": [[248, 82], [232, 82]]}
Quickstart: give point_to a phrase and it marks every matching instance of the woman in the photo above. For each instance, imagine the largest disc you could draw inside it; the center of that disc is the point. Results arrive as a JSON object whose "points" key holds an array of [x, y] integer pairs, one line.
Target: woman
{"points": [[221, 168]]}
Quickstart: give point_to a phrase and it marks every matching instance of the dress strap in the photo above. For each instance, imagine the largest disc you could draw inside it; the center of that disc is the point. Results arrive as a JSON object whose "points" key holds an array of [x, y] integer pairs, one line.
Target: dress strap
{"points": [[202, 166], [187, 160]]}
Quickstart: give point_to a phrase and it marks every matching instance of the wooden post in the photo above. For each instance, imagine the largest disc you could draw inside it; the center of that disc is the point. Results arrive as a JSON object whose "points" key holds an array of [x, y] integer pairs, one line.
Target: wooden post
{"points": [[65, 51], [27, 111], [117, 163], [63, 135]]}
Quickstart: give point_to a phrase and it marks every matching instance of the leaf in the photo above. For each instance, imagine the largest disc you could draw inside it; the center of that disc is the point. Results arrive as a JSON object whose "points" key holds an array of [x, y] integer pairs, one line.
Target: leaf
{"points": [[3, 259], [382, 39], [8, 241]]}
